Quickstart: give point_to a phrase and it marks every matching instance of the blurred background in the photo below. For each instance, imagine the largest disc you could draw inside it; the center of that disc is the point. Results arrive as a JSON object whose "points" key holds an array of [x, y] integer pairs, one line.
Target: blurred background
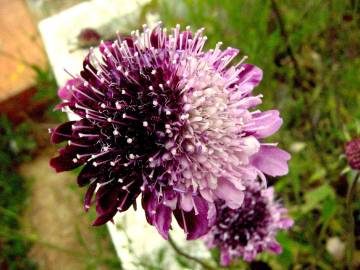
{"points": [[310, 54]]}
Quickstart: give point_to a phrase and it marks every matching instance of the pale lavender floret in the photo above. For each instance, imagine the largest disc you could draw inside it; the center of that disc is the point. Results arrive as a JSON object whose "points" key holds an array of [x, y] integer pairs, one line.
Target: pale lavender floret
{"points": [[164, 119]]}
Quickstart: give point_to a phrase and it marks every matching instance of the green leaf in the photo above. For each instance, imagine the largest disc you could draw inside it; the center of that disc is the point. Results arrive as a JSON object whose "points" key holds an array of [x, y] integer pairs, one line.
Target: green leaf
{"points": [[314, 197]]}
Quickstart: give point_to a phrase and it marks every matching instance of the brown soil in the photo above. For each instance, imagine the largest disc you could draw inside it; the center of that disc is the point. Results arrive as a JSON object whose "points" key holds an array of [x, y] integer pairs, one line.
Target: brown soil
{"points": [[64, 236]]}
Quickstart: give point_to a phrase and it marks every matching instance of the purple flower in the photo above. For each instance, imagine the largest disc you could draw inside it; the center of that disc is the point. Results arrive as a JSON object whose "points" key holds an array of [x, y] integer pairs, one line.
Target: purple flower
{"points": [[163, 118], [352, 151], [250, 229]]}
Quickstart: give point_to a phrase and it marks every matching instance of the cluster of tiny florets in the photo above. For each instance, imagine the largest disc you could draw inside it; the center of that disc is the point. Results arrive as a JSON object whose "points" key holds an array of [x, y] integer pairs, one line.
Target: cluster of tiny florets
{"points": [[250, 229]]}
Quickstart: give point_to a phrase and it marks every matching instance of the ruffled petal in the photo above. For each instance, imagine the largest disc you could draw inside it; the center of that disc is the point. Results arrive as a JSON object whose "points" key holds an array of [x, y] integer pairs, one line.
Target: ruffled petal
{"points": [[66, 92], [225, 258], [156, 213], [265, 123], [249, 78], [186, 202], [194, 224], [271, 160], [88, 196], [62, 132], [163, 220], [226, 191], [64, 163]]}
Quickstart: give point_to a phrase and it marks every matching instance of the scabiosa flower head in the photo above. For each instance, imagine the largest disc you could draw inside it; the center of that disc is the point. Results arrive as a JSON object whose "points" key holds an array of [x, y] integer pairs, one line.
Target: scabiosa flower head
{"points": [[163, 118], [250, 229], [352, 151]]}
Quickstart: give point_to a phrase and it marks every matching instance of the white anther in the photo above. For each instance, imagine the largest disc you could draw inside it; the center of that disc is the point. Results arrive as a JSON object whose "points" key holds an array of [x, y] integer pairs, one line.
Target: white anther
{"points": [[145, 123], [155, 103], [129, 140], [131, 156]]}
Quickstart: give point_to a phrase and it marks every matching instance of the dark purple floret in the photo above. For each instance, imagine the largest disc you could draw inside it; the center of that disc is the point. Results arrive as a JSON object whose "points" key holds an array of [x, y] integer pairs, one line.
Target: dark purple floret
{"points": [[250, 229], [236, 226]]}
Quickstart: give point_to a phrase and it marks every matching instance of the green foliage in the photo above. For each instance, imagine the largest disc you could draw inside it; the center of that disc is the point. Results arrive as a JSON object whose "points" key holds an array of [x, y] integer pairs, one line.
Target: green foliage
{"points": [[46, 87], [16, 145]]}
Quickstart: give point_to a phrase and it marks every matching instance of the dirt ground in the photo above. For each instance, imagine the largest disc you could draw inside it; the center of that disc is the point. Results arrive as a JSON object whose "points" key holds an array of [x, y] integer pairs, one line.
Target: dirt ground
{"points": [[64, 237]]}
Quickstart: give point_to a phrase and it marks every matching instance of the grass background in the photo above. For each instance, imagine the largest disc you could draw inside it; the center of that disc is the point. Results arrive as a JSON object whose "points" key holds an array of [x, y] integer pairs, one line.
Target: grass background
{"points": [[309, 52]]}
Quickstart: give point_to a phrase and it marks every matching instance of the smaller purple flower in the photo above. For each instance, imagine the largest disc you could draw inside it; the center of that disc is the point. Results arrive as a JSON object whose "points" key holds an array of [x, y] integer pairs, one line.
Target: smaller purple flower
{"points": [[250, 229], [352, 151]]}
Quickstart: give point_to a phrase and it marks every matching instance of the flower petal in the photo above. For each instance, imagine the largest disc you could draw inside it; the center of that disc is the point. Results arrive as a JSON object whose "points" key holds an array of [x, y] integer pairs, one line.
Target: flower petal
{"points": [[249, 78], [62, 132], [265, 123], [194, 224], [163, 220], [271, 160], [226, 191]]}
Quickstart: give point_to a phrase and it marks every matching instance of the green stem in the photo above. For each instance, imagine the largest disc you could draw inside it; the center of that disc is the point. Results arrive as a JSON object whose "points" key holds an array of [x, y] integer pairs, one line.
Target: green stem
{"points": [[188, 256], [285, 36], [351, 236]]}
